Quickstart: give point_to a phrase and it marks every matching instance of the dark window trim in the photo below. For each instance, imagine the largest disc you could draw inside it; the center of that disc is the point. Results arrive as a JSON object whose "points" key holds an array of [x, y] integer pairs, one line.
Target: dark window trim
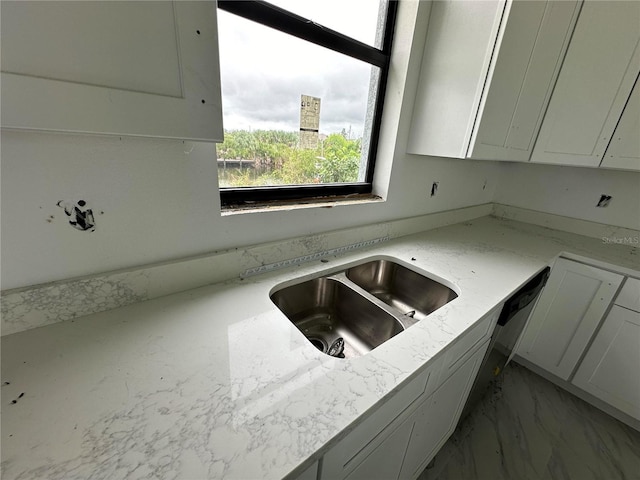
{"points": [[300, 27], [241, 195]]}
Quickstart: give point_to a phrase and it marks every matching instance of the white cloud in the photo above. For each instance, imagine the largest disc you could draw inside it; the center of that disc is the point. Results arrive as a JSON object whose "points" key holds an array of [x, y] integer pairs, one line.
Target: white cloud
{"points": [[264, 72]]}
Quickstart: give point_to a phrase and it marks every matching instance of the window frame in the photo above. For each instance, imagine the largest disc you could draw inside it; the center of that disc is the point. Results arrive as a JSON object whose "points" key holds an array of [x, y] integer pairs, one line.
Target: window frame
{"points": [[290, 23]]}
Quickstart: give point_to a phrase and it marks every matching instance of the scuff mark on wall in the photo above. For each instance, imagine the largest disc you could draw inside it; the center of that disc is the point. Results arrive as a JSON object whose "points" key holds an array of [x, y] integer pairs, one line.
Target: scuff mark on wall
{"points": [[81, 217]]}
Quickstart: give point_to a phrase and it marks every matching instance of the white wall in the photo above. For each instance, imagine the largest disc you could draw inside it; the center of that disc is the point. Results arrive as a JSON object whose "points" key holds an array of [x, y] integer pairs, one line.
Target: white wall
{"points": [[160, 202], [160, 197], [572, 192]]}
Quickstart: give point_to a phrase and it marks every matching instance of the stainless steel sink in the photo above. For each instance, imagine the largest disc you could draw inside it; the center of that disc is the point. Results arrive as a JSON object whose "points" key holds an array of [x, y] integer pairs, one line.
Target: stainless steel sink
{"points": [[350, 312], [325, 310], [410, 293]]}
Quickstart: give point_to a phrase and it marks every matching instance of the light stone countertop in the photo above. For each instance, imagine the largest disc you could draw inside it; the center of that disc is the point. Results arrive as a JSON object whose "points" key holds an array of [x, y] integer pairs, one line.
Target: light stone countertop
{"points": [[217, 383]]}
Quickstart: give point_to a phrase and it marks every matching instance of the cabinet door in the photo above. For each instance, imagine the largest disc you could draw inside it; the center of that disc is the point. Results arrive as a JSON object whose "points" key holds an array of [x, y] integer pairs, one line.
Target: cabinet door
{"points": [[457, 54], [121, 68], [310, 473], [366, 438], [529, 52], [629, 296], [601, 65], [567, 314], [385, 461], [437, 418], [624, 150], [610, 369]]}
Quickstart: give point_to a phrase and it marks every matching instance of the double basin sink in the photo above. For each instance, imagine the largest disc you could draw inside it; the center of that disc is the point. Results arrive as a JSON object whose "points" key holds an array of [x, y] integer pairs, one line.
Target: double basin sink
{"points": [[350, 312]]}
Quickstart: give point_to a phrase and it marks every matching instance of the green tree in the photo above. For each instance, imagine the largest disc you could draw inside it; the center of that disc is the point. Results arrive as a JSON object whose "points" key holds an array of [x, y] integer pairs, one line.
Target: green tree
{"points": [[300, 167], [341, 160], [278, 160]]}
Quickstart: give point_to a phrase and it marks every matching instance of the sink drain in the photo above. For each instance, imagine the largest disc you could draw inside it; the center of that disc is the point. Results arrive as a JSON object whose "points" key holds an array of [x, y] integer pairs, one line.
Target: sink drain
{"points": [[319, 344]]}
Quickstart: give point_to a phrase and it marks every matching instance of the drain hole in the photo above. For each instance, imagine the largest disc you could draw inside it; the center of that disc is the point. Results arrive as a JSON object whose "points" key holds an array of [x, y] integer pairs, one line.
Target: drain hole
{"points": [[319, 344]]}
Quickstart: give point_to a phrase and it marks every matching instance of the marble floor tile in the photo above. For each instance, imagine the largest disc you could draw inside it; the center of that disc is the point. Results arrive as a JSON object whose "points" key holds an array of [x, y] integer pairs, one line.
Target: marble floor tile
{"points": [[526, 428]]}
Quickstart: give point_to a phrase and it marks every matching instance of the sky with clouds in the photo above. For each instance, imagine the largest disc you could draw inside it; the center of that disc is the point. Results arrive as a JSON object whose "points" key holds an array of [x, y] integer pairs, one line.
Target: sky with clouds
{"points": [[264, 72]]}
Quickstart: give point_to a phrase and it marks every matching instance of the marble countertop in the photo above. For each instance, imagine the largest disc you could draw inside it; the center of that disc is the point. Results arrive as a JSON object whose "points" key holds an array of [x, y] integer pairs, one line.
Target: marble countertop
{"points": [[217, 383]]}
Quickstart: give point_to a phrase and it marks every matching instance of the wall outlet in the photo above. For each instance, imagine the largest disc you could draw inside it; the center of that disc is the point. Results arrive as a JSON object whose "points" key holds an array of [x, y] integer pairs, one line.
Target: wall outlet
{"points": [[604, 201]]}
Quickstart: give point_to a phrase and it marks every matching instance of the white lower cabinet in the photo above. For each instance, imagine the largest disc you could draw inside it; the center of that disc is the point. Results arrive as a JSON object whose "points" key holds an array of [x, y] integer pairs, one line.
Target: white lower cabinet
{"points": [[436, 419], [385, 461], [566, 316], [610, 369], [401, 437], [310, 473], [571, 335], [355, 452]]}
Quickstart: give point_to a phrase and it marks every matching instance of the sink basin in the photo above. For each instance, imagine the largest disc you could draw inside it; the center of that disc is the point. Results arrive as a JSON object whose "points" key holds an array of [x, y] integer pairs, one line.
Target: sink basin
{"points": [[408, 292], [350, 312], [325, 309]]}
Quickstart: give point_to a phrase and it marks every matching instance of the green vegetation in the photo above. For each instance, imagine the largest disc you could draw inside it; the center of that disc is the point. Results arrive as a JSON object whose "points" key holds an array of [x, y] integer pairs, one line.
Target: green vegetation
{"points": [[272, 157]]}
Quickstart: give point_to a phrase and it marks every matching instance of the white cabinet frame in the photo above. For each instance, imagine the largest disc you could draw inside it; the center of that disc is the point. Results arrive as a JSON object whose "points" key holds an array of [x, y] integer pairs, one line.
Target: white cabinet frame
{"points": [[599, 70], [85, 96], [611, 368], [566, 315], [623, 151]]}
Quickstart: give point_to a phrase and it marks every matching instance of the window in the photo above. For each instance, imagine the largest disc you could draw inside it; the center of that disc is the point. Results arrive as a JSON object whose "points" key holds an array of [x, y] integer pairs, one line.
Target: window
{"points": [[302, 102]]}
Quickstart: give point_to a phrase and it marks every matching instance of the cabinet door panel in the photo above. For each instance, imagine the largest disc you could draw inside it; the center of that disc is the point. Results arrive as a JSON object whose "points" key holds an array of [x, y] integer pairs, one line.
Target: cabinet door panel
{"points": [[598, 72], [384, 462], [340, 460], [121, 68], [610, 369], [566, 316], [456, 60], [629, 296], [529, 54], [624, 150], [437, 418], [310, 473], [468, 344]]}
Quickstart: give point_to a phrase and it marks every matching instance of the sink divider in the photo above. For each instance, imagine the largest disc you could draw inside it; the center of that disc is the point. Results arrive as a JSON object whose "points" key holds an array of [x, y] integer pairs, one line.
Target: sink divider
{"points": [[404, 320]]}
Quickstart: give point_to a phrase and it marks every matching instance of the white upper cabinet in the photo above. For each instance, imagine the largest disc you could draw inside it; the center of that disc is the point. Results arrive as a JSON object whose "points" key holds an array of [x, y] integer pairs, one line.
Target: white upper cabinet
{"points": [[529, 54], [487, 75], [120, 68], [624, 149], [457, 54], [598, 73]]}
